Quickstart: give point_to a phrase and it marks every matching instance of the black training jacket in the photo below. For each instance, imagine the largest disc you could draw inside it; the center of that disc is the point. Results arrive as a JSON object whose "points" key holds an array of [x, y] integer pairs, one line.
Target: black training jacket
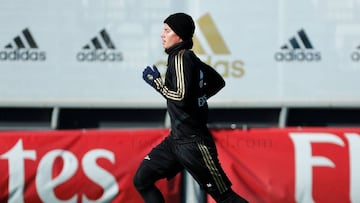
{"points": [[188, 84]]}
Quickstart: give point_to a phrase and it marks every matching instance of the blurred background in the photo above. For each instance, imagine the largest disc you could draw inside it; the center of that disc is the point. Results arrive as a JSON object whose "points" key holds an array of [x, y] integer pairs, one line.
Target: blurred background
{"points": [[70, 65], [67, 65]]}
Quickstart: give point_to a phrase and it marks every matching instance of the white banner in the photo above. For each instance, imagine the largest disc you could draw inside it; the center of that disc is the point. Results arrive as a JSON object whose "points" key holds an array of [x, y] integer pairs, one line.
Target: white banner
{"points": [[92, 53]]}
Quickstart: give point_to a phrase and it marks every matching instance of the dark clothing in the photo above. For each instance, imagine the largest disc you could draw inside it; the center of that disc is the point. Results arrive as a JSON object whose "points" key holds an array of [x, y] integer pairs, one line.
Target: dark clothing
{"points": [[198, 158], [188, 84]]}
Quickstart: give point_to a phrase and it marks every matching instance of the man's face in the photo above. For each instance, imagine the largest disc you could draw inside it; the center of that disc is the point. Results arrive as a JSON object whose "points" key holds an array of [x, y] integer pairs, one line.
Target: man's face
{"points": [[169, 37]]}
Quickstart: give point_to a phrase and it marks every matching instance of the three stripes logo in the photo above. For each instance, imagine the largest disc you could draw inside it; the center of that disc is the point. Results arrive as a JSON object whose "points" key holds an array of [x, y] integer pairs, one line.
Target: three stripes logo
{"points": [[216, 48], [19, 42], [295, 44], [355, 56], [299, 48], [22, 48], [100, 48], [212, 36]]}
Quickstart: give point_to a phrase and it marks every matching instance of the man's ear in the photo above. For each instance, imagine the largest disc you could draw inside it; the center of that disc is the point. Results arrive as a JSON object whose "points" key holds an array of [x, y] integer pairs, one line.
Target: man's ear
{"points": [[179, 39]]}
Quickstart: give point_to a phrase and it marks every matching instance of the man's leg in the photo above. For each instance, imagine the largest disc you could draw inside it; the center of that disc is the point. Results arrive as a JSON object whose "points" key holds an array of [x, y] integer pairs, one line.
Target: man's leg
{"points": [[159, 163], [201, 160], [227, 197], [144, 181]]}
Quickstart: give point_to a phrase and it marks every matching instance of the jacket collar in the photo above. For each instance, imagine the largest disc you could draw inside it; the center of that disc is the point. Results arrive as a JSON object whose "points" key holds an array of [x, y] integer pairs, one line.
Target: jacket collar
{"points": [[179, 46]]}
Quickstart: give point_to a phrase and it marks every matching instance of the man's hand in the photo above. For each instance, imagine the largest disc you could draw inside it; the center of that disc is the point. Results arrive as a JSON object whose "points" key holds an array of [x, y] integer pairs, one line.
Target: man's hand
{"points": [[151, 74]]}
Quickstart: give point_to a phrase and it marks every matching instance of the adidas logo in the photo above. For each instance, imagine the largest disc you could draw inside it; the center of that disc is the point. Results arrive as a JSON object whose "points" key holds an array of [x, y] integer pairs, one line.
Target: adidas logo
{"points": [[355, 55], [19, 42], [296, 45], [212, 36], [213, 43], [299, 49], [100, 48], [22, 48]]}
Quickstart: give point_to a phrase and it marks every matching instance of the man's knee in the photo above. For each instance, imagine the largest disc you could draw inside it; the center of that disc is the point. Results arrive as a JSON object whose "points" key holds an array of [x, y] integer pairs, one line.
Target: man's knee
{"points": [[139, 181], [143, 178]]}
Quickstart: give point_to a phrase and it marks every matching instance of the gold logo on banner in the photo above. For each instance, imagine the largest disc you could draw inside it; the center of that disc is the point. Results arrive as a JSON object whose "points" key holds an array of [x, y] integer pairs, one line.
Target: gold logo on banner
{"points": [[212, 36], [227, 68]]}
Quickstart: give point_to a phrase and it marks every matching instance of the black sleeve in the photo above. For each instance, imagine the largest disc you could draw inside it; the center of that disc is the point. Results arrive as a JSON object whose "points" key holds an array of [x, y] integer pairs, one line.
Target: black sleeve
{"points": [[182, 77], [213, 80]]}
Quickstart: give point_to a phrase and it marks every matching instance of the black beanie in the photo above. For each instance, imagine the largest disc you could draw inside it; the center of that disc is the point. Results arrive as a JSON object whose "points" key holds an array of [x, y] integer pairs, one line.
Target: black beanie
{"points": [[182, 24]]}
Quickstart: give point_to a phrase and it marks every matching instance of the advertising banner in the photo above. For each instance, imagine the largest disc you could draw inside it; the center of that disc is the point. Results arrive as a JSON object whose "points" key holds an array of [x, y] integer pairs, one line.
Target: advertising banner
{"points": [[93, 53], [265, 165], [292, 165], [76, 166]]}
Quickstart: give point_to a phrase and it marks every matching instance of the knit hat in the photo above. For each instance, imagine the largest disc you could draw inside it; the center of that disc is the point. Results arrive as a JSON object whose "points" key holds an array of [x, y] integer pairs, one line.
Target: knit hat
{"points": [[182, 24]]}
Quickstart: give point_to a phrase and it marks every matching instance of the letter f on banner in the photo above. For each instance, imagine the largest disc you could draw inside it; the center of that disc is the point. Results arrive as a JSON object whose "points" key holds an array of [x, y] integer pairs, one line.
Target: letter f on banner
{"points": [[304, 161]]}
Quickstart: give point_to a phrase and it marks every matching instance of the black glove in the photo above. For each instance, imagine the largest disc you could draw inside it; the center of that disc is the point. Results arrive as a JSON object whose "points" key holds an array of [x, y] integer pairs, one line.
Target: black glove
{"points": [[151, 74]]}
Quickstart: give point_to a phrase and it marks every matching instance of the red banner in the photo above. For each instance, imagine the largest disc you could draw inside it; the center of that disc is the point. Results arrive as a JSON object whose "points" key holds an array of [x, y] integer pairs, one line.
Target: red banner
{"points": [[265, 165], [76, 166], [292, 165]]}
